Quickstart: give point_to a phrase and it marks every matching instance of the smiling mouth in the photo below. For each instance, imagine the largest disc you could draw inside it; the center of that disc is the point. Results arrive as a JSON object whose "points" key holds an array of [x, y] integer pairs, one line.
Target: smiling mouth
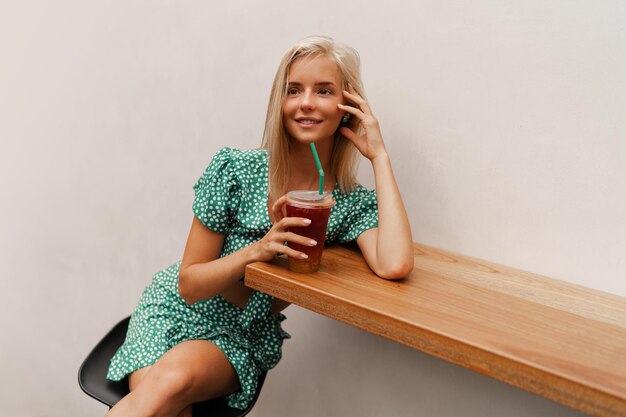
{"points": [[308, 122]]}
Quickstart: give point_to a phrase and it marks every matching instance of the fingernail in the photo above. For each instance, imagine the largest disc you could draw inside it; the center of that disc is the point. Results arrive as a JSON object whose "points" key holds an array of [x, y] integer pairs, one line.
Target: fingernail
{"points": [[312, 242], [304, 255], [307, 221]]}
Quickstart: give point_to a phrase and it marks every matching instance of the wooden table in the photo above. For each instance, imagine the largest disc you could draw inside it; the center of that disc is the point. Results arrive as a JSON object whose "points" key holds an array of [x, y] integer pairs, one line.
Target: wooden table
{"points": [[559, 340]]}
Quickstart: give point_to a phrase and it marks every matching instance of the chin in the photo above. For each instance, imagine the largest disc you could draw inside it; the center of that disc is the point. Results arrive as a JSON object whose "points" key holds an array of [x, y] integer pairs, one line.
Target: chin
{"points": [[310, 137], [306, 140]]}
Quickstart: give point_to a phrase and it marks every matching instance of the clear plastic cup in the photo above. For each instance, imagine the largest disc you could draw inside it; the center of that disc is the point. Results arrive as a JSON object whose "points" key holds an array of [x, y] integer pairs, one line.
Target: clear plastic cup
{"points": [[310, 205]]}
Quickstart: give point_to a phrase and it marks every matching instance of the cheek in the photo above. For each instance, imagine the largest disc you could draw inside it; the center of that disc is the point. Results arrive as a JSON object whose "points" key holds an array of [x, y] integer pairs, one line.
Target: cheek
{"points": [[287, 114], [332, 110], [338, 115], [288, 106], [336, 120]]}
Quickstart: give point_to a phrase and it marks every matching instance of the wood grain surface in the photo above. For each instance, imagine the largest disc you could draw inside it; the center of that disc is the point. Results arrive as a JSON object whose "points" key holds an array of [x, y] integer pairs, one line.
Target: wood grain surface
{"points": [[556, 339]]}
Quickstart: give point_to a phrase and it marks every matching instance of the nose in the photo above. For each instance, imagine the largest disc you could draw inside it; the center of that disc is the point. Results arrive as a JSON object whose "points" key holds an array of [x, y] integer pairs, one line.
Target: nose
{"points": [[308, 101]]}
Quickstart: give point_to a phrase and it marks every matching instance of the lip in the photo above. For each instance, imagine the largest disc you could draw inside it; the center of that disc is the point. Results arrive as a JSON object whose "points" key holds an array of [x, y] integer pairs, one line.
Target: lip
{"points": [[307, 122]]}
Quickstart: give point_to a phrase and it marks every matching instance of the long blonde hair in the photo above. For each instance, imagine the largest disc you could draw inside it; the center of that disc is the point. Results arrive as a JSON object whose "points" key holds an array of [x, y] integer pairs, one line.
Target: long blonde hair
{"points": [[344, 155]]}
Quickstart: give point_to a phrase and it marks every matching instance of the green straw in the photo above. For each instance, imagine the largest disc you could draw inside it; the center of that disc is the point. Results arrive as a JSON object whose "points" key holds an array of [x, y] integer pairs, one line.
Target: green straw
{"points": [[319, 168]]}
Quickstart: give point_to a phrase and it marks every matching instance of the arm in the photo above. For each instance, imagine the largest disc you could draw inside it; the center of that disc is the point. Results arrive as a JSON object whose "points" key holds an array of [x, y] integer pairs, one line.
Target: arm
{"points": [[388, 249], [204, 274]]}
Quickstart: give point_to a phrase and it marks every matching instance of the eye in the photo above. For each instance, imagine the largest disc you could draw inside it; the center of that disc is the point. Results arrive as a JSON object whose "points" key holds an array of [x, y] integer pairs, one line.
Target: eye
{"points": [[325, 91], [292, 91]]}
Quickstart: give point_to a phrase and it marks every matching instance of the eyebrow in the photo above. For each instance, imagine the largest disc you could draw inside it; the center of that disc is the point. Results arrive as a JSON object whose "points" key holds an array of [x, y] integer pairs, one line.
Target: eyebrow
{"points": [[321, 83]]}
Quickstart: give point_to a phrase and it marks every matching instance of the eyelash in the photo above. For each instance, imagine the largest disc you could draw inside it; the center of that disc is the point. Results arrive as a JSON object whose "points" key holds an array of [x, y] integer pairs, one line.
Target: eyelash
{"points": [[323, 91]]}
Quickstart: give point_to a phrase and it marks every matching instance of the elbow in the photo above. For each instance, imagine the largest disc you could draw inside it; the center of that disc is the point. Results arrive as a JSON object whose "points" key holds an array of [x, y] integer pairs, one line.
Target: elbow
{"points": [[396, 270], [184, 289]]}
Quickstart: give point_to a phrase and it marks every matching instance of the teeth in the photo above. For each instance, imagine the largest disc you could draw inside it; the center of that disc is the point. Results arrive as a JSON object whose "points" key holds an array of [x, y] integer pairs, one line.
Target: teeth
{"points": [[308, 122]]}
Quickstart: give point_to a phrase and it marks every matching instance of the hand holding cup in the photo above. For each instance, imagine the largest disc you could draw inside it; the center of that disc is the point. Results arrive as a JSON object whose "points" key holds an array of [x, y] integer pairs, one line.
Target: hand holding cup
{"points": [[273, 243]]}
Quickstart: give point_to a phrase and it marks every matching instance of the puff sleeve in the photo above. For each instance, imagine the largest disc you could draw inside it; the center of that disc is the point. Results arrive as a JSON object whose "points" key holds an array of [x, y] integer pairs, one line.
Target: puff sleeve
{"points": [[363, 214], [218, 193]]}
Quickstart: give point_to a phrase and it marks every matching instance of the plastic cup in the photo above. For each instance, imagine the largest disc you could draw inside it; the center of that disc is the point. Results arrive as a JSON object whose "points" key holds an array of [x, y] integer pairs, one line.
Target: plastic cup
{"points": [[310, 205]]}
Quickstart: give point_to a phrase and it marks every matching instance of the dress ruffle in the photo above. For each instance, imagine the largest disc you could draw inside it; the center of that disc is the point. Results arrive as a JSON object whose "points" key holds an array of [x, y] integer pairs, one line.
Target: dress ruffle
{"points": [[251, 338]]}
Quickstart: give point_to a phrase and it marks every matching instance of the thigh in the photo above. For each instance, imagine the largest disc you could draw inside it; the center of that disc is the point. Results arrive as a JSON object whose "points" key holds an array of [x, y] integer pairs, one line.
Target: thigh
{"points": [[136, 377], [203, 365]]}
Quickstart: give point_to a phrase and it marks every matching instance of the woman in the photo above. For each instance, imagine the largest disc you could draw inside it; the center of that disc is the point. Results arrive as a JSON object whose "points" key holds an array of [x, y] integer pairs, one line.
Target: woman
{"points": [[198, 332]]}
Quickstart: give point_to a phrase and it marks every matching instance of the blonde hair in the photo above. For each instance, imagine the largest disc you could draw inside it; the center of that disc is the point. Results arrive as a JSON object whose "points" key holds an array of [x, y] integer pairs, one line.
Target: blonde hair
{"points": [[344, 155]]}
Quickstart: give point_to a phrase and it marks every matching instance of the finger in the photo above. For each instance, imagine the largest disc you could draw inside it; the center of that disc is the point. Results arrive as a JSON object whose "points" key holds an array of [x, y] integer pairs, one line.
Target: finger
{"points": [[352, 110], [368, 121], [349, 134], [277, 248], [292, 253], [287, 222], [278, 212], [352, 95], [299, 239]]}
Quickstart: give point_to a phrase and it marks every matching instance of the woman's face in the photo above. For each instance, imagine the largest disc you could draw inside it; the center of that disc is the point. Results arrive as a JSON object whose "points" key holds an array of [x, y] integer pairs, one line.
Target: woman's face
{"points": [[310, 112]]}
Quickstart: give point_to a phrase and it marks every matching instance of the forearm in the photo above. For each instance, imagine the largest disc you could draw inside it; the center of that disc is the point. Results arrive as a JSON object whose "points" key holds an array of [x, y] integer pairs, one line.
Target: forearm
{"points": [[394, 241], [202, 281], [204, 274]]}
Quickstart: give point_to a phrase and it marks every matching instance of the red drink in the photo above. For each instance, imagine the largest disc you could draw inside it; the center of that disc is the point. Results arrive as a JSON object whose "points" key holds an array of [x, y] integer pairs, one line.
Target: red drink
{"points": [[310, 205]]}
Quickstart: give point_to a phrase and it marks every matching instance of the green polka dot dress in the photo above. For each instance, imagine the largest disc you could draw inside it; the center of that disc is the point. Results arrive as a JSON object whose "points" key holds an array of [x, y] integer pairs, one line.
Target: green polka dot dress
{"points": [[231, 199]]}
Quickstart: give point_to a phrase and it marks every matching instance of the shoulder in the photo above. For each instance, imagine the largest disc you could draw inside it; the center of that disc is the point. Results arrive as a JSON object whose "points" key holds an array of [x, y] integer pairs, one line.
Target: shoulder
{"points": [[361, 200], [242, 157], [238, 160], [241, 154], [354, 202], [355, 211], [356, 195]]}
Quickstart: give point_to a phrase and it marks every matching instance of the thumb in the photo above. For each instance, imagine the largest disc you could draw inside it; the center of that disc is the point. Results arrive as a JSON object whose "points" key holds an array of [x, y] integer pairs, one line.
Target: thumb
{"points": [[349, 134], [278, 209]]}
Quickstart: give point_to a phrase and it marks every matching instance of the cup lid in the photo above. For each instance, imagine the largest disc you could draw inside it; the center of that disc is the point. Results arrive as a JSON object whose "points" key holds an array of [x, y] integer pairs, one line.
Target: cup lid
{"points": [[311, 197]]}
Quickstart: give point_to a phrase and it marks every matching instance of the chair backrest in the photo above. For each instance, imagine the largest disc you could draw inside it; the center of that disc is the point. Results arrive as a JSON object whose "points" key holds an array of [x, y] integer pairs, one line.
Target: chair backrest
{"points": [[92, 378], [92, 373]]}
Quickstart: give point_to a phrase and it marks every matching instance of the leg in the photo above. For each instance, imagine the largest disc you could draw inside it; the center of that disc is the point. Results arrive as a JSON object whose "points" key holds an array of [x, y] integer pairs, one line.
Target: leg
{"points": [[135, 379], [186, 412], [192, 371]]}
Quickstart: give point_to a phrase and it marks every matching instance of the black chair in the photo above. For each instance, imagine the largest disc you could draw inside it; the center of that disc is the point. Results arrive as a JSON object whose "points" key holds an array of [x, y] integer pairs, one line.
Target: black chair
{"points": [[92, 378]]}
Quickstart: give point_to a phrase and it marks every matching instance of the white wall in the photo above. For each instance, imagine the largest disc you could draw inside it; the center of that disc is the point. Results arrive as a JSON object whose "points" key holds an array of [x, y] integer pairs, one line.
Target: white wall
{"points": [[504, 120]]}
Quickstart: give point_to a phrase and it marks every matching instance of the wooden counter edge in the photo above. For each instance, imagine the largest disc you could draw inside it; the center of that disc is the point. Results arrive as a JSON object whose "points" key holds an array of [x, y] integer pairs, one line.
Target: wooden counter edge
{"points": [[446, 347]]}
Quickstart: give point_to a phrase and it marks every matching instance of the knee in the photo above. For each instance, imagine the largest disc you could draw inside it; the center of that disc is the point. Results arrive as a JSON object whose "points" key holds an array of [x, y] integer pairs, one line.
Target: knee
{"points": [[170, 387]]}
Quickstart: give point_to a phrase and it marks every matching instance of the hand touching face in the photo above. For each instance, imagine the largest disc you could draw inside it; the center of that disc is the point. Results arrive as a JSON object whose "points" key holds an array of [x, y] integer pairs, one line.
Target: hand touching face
{"points": [[370, 143]]}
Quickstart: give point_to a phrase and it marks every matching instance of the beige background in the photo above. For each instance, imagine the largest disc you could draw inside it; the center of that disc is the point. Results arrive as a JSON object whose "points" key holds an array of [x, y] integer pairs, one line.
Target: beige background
{"points": [[504, 119]]}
